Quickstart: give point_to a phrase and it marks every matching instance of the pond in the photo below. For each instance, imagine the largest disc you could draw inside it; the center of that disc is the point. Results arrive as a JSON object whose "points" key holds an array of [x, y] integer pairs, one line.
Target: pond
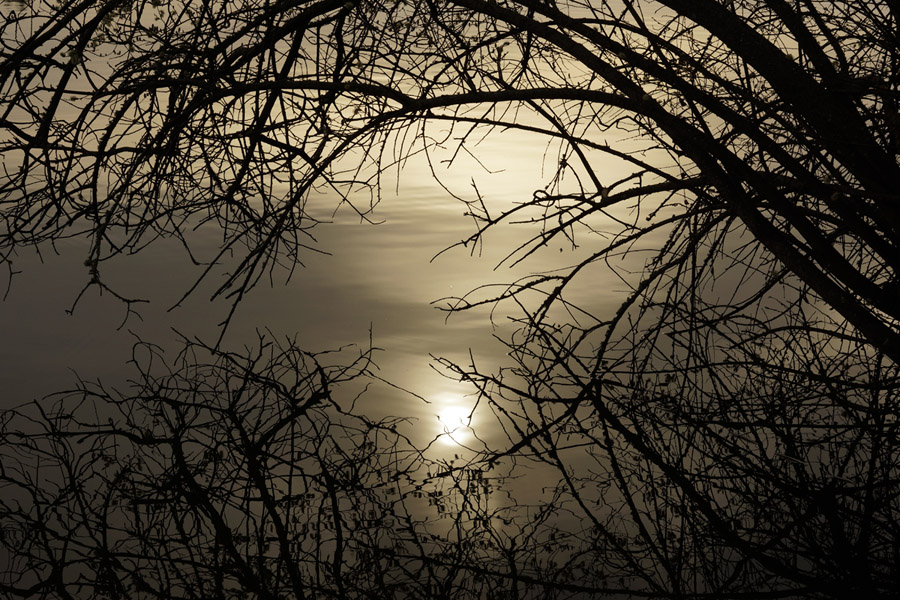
{"points": [[386, 277]]}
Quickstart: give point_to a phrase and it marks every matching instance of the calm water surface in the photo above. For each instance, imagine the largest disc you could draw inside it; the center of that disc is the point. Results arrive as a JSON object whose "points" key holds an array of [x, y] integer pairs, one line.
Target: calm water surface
{"points": [[379, 277]]}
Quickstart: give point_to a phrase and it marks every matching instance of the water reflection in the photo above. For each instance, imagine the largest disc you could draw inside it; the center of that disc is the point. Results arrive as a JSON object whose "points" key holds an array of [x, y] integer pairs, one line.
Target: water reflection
{"points": [[377, 277]]}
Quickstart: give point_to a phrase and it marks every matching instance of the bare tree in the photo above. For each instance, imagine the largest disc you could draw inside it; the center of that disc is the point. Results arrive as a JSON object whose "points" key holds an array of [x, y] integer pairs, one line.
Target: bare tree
{"points": [[729, 430], [222, 474], [779, 117], [739, 407]]}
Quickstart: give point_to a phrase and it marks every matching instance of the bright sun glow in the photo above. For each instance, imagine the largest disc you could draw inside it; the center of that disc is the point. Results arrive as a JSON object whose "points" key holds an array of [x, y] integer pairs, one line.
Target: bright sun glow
{"points": [[453, 418]]}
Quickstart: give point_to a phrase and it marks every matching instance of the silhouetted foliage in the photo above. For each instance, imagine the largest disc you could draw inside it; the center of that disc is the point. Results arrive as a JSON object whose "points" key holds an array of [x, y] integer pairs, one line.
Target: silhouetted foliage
{"points": [[728, 431]]}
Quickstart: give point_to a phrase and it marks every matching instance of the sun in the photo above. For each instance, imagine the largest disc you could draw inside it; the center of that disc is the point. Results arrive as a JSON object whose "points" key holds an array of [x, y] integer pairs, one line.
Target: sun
{"points": [[453, 418], [454, 422]]}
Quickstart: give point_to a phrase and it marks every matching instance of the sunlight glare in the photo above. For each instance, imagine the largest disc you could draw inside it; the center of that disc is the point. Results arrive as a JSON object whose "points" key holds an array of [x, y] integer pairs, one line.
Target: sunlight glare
{"points": [[453, 418]]}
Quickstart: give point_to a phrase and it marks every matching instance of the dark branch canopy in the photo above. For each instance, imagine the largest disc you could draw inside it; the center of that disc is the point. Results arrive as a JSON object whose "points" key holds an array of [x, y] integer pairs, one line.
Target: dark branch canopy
{"points": [[728, 431], [129, 120]]}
